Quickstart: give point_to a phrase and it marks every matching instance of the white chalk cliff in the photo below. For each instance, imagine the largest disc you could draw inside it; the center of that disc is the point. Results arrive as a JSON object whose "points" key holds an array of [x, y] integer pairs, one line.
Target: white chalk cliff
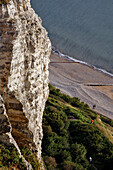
{"points": [[24, 57]]}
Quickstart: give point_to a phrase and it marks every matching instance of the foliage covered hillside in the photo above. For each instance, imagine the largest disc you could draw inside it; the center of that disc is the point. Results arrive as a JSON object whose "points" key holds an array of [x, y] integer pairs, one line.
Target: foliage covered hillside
{"points": [[70, 138], [10, 159]]}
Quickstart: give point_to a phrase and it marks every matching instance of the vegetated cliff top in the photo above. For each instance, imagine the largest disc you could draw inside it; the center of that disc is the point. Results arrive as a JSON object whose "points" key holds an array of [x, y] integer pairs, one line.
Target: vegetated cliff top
{"points": [[4, 1]]}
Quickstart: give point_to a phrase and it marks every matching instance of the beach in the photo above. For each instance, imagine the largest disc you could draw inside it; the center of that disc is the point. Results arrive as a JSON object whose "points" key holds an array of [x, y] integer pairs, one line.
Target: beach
{"points": [[83, 81]]}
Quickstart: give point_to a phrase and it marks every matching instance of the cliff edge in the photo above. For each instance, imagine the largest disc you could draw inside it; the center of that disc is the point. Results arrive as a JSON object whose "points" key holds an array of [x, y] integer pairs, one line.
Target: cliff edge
{"points": [[24, 57]]}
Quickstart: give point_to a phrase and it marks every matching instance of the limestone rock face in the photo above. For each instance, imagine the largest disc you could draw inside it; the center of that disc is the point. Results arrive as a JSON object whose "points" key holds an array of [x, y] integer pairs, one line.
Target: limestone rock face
{"points": [[5, 132], [5, 127], [24, 57]]}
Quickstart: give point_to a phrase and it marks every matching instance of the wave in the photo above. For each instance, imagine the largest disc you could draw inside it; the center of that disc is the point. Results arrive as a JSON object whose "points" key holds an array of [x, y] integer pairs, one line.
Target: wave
{"points": [[55, 51]]}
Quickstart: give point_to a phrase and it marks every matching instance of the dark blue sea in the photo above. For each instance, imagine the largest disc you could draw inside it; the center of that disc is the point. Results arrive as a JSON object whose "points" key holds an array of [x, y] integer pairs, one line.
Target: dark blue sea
{"points": [[82, 29]]}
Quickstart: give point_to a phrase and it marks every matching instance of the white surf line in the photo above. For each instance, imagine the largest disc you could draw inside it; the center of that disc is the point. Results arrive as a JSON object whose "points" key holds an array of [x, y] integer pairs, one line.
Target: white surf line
{"points": [[57, 52]]}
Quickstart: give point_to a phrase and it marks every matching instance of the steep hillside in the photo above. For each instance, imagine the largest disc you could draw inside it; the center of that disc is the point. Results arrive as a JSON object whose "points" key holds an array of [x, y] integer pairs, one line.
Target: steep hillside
{"points": [[73, 133]]}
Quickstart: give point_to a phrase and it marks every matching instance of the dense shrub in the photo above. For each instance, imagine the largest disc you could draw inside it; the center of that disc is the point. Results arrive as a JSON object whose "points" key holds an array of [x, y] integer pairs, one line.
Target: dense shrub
{"points": [[65, 98], [108, 164], [30, 157], [96, 144], [70, 138], [76, 113], [9, 157], [107, 120], [68, 165], [50, 163], [79, 154]]}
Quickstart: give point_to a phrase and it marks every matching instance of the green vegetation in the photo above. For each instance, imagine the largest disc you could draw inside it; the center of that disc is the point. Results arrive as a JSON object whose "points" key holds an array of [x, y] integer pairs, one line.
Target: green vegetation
{"points": [[107, 120], [9, 158], [30, 157], [70, 138], [4, 2]]}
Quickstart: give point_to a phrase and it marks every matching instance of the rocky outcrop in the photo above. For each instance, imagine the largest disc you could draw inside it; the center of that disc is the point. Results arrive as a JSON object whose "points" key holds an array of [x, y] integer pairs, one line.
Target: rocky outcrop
{"points": [[24, 56], [5, 132]]}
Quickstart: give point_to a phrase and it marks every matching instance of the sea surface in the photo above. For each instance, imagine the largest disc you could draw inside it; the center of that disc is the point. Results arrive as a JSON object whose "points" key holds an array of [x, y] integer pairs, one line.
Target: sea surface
{"points": [[82, 29]]}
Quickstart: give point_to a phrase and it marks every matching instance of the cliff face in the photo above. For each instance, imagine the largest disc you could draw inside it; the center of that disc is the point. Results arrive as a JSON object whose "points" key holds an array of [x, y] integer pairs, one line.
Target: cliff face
{"points": [[24, 56]]}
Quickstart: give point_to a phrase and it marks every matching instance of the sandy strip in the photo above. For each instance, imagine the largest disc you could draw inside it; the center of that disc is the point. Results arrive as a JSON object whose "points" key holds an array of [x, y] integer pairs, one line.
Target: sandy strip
{"points": [[75, 79]]}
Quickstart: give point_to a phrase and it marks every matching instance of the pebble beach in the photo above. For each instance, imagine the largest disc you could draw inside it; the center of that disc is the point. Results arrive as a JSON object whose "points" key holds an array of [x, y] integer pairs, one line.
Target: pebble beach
{"points": [[79, 80]]}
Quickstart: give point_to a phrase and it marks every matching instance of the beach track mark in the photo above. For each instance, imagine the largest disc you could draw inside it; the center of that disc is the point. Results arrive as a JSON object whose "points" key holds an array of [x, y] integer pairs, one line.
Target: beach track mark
{"points": [[98, 84]]}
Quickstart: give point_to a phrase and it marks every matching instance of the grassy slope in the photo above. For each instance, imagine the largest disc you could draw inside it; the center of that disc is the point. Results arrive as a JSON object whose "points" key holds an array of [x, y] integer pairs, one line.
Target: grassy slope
{"points": [[105, 125], [80, 116]]}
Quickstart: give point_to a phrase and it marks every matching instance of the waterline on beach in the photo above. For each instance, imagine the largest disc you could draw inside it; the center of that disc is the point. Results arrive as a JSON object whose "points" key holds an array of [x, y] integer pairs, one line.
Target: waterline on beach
{"points": [[55, 51]]}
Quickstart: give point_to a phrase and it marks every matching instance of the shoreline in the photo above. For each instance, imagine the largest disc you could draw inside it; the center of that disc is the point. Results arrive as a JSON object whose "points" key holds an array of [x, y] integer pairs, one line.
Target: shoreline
{"points": [[57, 52], [76, 79]]}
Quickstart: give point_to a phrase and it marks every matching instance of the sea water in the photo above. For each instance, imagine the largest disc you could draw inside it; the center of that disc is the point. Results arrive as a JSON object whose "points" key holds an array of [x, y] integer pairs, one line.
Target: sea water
{"points": [[82, 29]]}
